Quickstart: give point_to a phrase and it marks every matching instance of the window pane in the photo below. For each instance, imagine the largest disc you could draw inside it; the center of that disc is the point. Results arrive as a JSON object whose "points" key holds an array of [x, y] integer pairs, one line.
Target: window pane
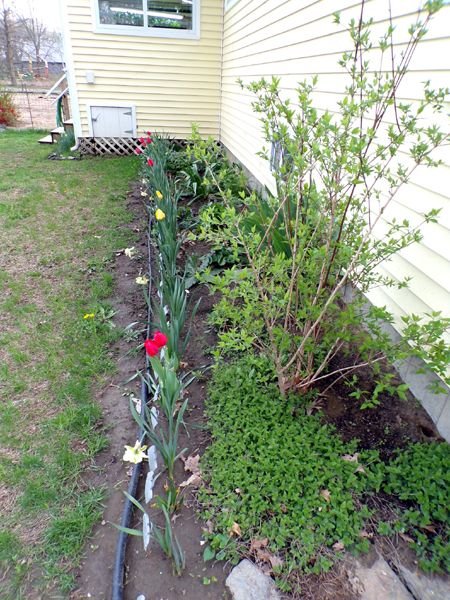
{"points": [[172, 14], [121, 12]]}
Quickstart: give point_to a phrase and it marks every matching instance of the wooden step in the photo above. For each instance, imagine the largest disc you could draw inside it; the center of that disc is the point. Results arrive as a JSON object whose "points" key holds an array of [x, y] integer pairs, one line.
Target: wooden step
{"points": [[68, 125], [46, 140], [56, 133]]}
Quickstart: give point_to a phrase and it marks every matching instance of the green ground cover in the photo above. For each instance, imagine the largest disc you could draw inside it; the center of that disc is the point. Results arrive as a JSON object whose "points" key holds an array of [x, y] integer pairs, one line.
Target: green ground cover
{"points": [[60, 223]]}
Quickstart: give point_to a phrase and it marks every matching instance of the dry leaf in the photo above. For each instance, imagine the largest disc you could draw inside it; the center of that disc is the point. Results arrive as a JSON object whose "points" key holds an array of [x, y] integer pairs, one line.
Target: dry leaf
{"points": [[351, 457], [326, 495], [235, 530], [238, 491], [364, 534], [267, 557], [209, 526], [191, 464], [406, 538], [360, 469], [338, 547], [258, 544], [194, 480], [429, 528]]}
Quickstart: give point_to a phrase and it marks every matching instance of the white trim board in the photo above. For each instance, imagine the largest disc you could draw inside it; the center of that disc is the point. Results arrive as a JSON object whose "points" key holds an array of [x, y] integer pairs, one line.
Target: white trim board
{"points": [[70, 72]]}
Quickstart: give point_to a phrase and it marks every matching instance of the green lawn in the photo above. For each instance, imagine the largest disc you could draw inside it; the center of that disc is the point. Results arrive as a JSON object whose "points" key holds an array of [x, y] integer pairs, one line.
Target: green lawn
{"points": [[60, 223]]}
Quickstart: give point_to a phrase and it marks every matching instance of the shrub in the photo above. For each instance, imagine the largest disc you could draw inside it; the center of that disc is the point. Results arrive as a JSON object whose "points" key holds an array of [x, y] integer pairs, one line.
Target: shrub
{"points": [[8, 111], [332, 221]]}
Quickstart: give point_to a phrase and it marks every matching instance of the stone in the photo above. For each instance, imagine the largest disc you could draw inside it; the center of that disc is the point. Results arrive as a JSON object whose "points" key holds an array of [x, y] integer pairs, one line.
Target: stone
{"points": [[425, 587], [379, 582], [247, 582]]}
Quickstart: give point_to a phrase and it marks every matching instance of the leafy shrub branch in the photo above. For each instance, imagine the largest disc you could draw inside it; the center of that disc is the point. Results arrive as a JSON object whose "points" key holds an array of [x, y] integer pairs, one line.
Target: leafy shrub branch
{"points": [[331, 224]]}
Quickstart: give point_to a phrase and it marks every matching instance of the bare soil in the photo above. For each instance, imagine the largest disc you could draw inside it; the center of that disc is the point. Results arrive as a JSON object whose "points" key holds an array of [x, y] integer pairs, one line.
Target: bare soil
{"points": [[148, 573]]}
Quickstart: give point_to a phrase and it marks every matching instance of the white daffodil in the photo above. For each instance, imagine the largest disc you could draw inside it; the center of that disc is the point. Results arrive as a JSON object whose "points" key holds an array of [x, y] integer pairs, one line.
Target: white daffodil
{"points": [[134, 454], [142, 280], [130, 252]]}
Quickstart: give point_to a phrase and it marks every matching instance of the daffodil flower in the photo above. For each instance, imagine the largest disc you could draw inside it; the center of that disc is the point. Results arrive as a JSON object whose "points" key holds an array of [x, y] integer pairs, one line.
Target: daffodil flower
{"points": [[159, 214], [134, 454], [159, 195], [142, 280], [130, 252], [89, 316]]}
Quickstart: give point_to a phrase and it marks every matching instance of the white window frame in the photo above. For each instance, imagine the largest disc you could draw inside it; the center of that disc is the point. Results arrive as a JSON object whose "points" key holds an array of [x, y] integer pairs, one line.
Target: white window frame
{"points": [[230, 3], [110, 104], [183, 34]]}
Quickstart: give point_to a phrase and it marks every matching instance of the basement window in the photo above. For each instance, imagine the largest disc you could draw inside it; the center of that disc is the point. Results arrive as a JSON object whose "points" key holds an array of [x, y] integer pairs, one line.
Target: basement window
{"points": [[159, 18]]}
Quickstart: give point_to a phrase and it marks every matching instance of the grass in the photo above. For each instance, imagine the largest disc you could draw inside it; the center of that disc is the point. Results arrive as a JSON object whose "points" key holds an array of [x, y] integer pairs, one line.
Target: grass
{"points": [[61, 223]]}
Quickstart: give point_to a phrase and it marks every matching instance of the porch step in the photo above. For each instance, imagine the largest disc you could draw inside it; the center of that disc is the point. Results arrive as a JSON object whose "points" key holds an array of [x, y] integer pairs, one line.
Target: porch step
{"points": [[46, 140], [68, 125], [56, 133]]}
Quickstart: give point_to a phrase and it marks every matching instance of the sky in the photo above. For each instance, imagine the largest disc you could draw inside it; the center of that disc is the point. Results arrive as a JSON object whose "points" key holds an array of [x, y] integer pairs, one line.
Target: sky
{"points": [[47, 11]]}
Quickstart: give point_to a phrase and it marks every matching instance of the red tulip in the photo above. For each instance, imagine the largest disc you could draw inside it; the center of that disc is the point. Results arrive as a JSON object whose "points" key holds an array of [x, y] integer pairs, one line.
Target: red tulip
{"points": [[148, 140], [160, 339], [151, 347], [148, 133], [142, 140], [150, 162], [138, 150]]}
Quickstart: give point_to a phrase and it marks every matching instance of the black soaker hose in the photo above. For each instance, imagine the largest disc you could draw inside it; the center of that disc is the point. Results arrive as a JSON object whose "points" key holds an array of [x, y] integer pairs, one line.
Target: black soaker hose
{"points": [[121, 546]]}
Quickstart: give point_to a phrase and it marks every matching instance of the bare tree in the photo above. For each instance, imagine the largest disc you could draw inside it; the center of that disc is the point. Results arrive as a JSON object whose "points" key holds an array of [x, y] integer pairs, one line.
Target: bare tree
{"points": [[8, 30]]}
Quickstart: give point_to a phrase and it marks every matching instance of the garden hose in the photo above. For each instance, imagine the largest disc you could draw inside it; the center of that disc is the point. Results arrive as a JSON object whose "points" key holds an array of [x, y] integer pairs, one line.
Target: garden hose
{"points": [[119, 562]]}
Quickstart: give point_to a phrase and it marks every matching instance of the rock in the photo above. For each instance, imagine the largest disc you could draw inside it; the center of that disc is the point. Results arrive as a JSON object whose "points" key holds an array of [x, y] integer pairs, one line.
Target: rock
{"points": [[380, 582], [247, 582], [425, 587]]}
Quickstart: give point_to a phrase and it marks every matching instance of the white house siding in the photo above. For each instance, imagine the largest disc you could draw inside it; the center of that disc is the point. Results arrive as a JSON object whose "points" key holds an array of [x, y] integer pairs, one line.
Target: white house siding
{"points": [[172, 82], [294, 39]]}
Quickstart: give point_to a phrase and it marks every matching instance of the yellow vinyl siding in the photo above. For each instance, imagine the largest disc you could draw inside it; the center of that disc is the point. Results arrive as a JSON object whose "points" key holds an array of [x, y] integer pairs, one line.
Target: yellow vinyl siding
{"points": [[172, 82], [285, 38]]}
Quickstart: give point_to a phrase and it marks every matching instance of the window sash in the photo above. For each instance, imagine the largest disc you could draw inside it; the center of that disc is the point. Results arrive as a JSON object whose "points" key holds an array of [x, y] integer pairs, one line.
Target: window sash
{"points": [[145, 30]]}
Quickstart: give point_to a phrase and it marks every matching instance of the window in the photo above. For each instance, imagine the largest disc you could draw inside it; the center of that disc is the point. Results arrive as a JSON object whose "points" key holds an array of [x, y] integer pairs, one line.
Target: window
{"points": [[230, 3], [163, 18]]}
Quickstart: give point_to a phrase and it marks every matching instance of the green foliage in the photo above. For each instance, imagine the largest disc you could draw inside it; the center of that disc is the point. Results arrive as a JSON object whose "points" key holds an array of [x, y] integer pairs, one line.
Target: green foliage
{"points": [[320, 238], [420, 476], [280, 473], [65, 143]]}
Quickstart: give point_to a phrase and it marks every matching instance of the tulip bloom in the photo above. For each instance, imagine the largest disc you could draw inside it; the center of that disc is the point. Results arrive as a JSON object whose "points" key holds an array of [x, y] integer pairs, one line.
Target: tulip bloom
{"points": [[151, 347], [150, 162], [160, 339], [138, 150]]}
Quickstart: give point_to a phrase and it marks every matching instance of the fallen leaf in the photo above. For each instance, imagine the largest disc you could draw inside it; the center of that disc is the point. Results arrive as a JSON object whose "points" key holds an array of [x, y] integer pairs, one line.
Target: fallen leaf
{"points": [[258, 544], [238, 491], [209, 526], [235, 530], [351, 457], [429, 528], [406, 538], [194, 480], [191, 464], [364, 534], [267, 557], [360, 469], [338, 547], [326, 495]]}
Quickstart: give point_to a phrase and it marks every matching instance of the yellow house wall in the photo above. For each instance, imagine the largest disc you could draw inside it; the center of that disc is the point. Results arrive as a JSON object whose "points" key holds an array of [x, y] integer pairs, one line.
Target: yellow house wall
{"points": [[172, 82], [295, 40]]}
